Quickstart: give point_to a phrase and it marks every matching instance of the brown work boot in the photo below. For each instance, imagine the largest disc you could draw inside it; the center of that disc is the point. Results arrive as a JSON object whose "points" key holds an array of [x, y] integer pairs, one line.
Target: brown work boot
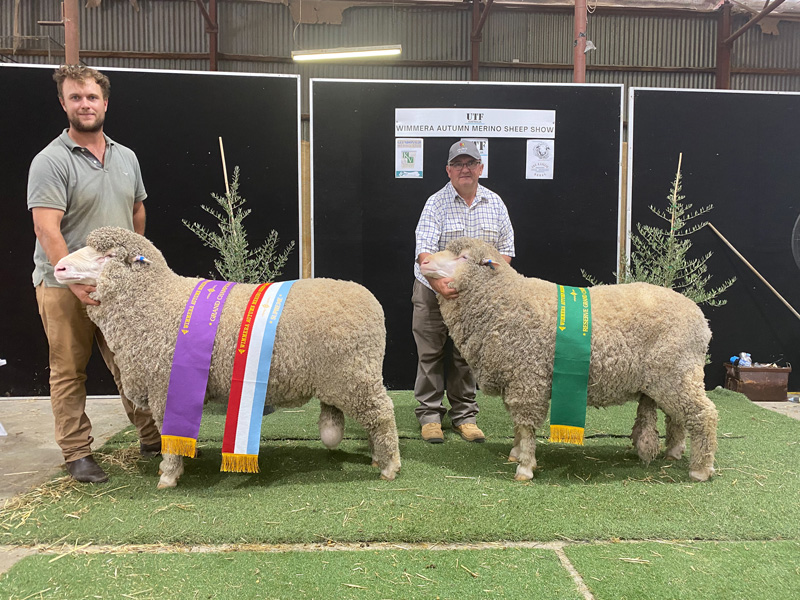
{"points": [[470, 432], [86, 470], [432, 433]]}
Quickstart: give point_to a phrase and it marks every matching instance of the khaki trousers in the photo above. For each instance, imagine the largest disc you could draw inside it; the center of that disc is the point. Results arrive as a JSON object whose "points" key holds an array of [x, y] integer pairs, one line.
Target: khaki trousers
{"points": [[439, 362], [70, 335]]}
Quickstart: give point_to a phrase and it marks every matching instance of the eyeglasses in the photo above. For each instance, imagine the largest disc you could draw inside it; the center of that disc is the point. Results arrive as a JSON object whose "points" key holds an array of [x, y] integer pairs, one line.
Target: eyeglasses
{"points": [[472, 164]]}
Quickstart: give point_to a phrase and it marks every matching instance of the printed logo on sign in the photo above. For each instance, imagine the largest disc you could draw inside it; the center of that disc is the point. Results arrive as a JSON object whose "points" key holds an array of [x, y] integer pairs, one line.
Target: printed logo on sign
{"points": [[542, 150], [408, 158]]}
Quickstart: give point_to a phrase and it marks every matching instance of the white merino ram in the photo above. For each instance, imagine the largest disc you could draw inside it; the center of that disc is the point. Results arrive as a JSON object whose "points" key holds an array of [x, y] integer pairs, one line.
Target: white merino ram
{"points": [[648, 345], [329, 343]]}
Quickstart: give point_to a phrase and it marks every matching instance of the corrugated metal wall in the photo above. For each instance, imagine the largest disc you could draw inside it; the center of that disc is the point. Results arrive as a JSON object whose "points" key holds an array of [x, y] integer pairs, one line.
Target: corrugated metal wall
{"points": [[649, 49]]}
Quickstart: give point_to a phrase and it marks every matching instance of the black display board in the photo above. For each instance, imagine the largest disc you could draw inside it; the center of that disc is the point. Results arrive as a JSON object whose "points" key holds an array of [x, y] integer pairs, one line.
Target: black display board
{"points": [[364, 218], [741, 153], [173, 121]]}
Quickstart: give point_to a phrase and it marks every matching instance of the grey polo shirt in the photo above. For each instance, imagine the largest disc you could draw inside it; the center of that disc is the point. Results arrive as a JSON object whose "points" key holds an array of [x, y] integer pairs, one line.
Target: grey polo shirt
{"points": [[68, 177]]}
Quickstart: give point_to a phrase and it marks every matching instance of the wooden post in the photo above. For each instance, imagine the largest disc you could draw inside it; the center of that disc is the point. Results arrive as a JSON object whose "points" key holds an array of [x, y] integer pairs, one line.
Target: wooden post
{"points": [[305, 166], [72, 33], [579, 43]]}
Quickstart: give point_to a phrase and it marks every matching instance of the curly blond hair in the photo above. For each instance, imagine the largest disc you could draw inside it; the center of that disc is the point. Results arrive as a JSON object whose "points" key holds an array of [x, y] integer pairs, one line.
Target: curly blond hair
{"points": [[81, 74]]}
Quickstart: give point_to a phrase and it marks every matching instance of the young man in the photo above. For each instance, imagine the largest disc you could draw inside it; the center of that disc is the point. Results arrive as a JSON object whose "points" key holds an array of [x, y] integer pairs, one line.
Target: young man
{"points": [[460, 208], [82, 180]]}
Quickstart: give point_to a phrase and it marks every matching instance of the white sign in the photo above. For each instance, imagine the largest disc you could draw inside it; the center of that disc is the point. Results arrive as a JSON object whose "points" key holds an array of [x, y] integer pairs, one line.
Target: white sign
{"points": [[539, 159], [466, 122], [483, 148], [408, 158]]}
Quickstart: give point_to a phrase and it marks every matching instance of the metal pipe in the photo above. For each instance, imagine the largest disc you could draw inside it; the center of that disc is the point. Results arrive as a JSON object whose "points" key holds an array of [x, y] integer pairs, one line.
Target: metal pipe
{"points": [[475, 42], [723, 74], [579, 43], [213, 35]]}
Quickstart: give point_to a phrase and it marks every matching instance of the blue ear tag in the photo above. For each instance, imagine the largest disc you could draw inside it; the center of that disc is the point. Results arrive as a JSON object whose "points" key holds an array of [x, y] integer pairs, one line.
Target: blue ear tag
{"points": [[490, 263]]}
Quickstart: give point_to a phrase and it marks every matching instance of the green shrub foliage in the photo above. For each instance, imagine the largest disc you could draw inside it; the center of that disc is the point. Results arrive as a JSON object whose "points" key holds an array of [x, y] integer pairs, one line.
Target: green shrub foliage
{"points": [[659, 255], [237, 261]]}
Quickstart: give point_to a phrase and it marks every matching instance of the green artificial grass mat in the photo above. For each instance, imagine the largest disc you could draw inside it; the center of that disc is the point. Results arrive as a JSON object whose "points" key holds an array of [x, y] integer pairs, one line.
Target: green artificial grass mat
{"points": [[505, 573], [453, 492], [655, 571]]}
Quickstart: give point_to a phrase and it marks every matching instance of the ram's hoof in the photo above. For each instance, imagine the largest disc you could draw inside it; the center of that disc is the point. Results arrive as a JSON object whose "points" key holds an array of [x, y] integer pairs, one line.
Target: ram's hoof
{"points": [[523, 474], [675, 453], [512, 458], [389, 477], [701, 475]]}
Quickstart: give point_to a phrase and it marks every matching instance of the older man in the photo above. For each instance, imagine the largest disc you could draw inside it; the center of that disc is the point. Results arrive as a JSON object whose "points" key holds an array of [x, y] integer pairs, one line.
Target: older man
{"points": [[82, 180], [463, 207]]}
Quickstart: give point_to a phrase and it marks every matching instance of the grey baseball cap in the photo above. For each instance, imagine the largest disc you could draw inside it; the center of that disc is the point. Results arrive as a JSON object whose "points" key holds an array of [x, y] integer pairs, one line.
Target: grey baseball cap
{"points": [[464, 147]]}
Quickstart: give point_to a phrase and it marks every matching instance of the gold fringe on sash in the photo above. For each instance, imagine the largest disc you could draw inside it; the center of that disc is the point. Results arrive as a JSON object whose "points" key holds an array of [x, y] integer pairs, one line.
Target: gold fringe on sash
{"points": [[566, 434], [239, 463], [175, 444]]}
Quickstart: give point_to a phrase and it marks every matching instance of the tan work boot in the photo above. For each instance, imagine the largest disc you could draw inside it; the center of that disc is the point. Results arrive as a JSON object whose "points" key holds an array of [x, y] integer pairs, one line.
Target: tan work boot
{"points": [[470, 432], [432, 433]]}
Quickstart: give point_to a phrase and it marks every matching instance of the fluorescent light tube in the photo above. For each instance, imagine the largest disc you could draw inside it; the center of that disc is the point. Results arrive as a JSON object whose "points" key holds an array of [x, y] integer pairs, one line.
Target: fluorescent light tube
{"points": [[340, 53]]}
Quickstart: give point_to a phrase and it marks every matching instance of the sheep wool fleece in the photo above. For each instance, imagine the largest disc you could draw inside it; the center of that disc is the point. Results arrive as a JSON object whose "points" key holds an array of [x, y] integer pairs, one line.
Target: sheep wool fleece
{"points": [[648, 346], [329, 344]]}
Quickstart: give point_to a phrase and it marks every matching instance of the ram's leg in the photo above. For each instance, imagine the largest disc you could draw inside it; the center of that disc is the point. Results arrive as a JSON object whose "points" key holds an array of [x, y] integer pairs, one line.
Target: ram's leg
{"points": [[331, 425], [645, 430], [513, 456], [171, 469], [676, 439], [526, 459], [686, 404], [528, 412], [375, 412]]}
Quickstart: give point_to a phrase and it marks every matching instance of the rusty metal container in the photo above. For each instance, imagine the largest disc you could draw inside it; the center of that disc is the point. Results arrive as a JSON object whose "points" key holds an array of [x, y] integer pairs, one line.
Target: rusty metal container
{"points": [[759, 384]]}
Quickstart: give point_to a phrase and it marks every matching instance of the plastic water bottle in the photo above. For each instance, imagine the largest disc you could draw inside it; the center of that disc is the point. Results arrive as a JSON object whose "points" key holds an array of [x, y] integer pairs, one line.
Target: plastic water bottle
{"points": [[744, 360]]}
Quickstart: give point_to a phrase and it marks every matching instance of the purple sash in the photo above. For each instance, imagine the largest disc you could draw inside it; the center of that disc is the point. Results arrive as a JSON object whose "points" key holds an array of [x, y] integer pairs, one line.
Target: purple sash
{"points": [[190, 366]]}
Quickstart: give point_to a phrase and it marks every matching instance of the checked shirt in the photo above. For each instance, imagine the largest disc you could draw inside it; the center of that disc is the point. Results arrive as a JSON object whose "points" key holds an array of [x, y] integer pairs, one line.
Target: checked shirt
{"points": [[447, 217]]}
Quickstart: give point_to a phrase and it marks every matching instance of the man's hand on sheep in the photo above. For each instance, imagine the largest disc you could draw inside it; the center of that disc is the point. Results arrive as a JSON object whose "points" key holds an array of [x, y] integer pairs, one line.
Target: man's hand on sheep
{"points": [[440, 278], [82, 292]]}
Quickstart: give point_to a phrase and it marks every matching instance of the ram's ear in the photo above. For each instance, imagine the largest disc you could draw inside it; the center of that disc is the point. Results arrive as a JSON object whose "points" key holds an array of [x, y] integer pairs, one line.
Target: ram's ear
{"points": [[488, 262], [138, 258]]}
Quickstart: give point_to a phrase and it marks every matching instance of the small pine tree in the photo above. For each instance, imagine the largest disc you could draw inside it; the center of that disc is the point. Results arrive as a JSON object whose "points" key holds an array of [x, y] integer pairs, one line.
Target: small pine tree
{"points": [[238, 262], [659, 255]]}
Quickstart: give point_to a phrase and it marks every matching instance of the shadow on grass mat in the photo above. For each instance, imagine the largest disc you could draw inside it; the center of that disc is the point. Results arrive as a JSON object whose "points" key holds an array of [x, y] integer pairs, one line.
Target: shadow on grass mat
{"points": [[454, 492]]}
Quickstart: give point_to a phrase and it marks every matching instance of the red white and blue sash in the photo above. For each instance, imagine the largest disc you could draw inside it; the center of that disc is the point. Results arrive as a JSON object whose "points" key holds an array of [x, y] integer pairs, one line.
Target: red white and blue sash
{"points": [[251, 369]]}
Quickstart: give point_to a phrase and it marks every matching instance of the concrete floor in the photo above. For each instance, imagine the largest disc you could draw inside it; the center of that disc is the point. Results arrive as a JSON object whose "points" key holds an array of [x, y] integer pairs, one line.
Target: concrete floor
{"points": [[28, 452]]}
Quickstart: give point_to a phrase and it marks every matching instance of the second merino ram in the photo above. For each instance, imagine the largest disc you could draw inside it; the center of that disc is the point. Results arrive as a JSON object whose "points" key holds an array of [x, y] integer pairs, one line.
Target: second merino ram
{"points": [[329, 343], [648, 345]]}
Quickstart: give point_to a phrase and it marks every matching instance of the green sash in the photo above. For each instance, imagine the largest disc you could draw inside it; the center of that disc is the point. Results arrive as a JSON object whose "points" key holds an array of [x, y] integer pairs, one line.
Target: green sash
{"points": [[571, 365]]}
